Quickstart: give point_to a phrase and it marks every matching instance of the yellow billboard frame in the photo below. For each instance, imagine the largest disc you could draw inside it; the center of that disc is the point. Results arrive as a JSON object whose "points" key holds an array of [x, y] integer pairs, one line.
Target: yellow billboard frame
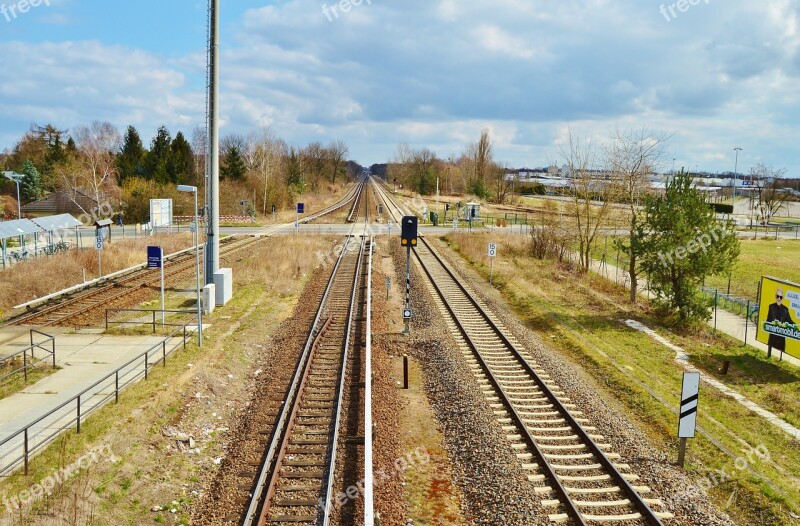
{"points": [[778, 318]]}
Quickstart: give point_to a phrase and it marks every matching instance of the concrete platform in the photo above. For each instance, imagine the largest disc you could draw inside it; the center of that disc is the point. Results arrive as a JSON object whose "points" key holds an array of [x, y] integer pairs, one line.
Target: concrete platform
{"points": [[84, 358]]}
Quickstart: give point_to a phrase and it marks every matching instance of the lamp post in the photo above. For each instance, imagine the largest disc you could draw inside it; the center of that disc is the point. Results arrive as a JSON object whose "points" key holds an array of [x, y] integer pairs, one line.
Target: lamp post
{"points": [[14, 176], [735, 169], [193, 190]]}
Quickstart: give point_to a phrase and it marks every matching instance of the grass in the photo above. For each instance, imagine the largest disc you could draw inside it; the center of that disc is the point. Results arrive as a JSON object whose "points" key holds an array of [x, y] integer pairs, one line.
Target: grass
{"points": [[14, 384], [38, 277], [582, 317]]}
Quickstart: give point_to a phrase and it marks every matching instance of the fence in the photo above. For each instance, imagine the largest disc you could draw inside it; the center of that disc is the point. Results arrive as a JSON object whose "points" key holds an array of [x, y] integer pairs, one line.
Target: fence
{"points": [[33, 361], [18, 448], [153, 321]]}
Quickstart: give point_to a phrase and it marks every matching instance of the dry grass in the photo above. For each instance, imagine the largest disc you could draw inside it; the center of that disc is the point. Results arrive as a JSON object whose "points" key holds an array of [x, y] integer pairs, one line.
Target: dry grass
{"points": [[38, 277]]}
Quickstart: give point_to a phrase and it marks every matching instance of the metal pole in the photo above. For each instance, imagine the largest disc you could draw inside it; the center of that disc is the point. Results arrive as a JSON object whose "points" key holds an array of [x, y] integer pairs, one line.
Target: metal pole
{"points": [[491, 270], [197, 268], [162, 288], [735, 168], [408, 289], [746, 322], [212, 243], [716, 300], [682, 452]]}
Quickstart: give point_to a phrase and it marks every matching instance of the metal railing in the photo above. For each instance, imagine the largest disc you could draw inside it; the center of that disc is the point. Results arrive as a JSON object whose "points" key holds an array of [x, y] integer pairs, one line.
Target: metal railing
{"points": [[18, 448], [32, 361], [153, 322]]}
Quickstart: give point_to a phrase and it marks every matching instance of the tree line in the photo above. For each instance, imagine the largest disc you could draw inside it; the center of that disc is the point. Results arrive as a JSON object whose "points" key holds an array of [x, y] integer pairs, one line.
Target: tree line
{"points": [[99, 161]]}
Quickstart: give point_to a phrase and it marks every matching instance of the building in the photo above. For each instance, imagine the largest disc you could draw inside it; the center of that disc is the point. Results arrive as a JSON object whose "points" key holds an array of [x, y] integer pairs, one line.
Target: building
{"points": [[62, 202]]}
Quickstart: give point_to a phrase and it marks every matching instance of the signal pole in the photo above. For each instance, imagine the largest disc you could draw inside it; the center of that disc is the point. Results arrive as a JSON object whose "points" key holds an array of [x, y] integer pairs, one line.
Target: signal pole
{"points": [[212, 243]]}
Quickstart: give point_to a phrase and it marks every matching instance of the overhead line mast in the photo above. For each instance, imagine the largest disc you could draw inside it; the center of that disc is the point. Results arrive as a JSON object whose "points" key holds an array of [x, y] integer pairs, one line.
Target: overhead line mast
{"points": [[212, 190]]}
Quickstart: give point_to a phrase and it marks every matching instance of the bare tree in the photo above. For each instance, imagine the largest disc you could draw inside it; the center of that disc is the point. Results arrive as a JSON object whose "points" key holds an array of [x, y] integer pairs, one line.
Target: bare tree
{"points": [[97, 145], [631, 156], [769, 197], [337, 152], [313, 158], [591, 197], [266, 154], [200, 149], [478, 164], [502, 182]]}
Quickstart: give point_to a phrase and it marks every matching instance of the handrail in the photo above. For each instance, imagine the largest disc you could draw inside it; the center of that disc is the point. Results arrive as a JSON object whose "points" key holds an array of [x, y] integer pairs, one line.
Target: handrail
{"points": [[37, 345], [25, 432], [153, 322], [369, 504]]}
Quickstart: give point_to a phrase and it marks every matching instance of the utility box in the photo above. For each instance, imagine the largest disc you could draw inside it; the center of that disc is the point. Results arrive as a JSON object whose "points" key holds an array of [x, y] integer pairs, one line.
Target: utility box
{"points": [[223, 282], [209, 298], [472, 211]]}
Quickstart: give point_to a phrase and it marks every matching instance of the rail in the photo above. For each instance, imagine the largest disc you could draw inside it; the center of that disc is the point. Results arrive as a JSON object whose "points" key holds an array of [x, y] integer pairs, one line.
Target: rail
{"points": [[18, 448], [251, 516], [369, 504], [356, 201], [33, 362]]}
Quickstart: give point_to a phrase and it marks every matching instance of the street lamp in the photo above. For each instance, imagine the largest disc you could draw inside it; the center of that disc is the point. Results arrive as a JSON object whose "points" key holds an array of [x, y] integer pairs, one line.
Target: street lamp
{"points": [[193, 190], [735, 169], [14, 176]]}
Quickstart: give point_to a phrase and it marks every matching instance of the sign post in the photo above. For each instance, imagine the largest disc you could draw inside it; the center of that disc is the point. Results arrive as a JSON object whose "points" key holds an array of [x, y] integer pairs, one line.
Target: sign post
{"points": [[155, 259], [99, 245], [687, 423], [492, 255], [388, 287], [301, 208], [408, 238], [274, 209]]}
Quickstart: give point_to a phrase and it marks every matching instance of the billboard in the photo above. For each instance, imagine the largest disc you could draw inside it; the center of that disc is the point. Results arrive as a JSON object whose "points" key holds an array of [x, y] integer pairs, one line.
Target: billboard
{"points": [[160, 212], [778, 314]]}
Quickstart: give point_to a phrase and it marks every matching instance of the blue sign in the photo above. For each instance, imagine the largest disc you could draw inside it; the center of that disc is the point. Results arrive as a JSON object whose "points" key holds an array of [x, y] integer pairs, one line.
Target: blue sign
{"points": [[155, 257], [301, 208]]}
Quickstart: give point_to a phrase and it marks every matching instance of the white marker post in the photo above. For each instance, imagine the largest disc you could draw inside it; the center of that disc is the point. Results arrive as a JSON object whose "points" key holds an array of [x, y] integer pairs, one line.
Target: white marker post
{"points": [[388, 287], [687, 422], [492, 255]]}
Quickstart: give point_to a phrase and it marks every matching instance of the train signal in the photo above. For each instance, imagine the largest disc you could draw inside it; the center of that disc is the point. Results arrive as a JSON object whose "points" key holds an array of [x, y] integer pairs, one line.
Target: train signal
{"points": [[274, 209], [408, 237]]}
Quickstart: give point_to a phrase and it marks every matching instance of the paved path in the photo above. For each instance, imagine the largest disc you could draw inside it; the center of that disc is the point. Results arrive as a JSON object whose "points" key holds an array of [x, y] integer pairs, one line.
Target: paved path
{"points": [[727, 322], [84, 359], [683, 360]]}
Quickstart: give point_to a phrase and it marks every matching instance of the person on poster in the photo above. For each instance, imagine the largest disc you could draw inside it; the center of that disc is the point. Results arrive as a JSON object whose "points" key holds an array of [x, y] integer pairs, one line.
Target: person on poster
{"points": [[778, 312]]}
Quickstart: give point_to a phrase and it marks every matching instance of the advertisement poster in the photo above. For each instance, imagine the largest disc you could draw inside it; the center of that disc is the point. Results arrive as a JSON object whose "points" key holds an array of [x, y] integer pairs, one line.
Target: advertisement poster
{"points": [[778, 314]]}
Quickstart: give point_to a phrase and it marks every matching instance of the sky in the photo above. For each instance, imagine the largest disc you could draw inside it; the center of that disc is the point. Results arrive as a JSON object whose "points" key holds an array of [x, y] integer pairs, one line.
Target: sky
{"points": [[713, 75]]}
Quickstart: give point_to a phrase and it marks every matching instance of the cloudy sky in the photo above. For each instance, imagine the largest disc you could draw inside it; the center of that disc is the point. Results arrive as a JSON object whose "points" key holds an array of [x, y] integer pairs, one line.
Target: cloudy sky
{"points": [[433, 73]]}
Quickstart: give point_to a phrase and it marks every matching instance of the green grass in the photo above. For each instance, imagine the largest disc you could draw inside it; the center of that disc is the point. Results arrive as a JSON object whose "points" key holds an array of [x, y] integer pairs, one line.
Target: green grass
{"points": [[761, 257], [582, 316]]}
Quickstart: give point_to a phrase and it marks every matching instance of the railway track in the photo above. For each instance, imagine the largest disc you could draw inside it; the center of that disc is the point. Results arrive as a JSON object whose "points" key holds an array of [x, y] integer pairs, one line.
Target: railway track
{"points": [[89, 301], [578, 476], [296, 481], [64, 311]]}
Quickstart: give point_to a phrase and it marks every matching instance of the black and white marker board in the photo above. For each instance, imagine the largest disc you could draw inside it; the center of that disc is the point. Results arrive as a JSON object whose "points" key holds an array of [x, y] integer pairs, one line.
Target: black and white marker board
{"points": [[689, 400]]}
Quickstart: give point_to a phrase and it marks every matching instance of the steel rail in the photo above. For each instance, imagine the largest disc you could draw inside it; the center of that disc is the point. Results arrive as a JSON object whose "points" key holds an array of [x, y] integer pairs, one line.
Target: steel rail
{"points": [[261, 493], [647, 514]]}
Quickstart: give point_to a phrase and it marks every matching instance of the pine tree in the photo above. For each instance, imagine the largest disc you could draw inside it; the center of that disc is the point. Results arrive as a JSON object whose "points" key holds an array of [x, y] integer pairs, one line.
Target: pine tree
{"points": [[181, 165], [30, 185], [131, 157], [233, 166], [681, 244], [158, 159]]}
